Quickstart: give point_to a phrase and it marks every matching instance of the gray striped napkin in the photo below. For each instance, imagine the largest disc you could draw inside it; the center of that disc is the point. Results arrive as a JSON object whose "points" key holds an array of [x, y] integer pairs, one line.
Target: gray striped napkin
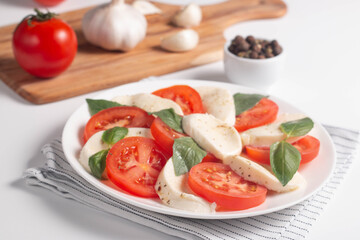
{"points": [[291, 223]]}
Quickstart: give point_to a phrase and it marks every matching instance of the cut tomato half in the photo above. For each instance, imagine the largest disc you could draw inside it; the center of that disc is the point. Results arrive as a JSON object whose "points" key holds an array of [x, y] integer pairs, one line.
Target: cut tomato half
{"points": [[216, 182], [134, 164]]}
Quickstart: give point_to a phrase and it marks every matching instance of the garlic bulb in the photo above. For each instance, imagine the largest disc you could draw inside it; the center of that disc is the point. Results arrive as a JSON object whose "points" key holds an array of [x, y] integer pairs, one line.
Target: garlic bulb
{"points": [[114, 26], [145, 7], [188, 17], [182, 41]]}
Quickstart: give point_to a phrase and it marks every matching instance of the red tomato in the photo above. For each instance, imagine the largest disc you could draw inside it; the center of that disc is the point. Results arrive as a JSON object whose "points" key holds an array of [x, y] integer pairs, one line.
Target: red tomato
{"points": [[117, 117], [164, 135], [216, 182], [49, 2], [308, 147], [211, 158], [262, 113], [134, 164], [44, 48], [187, 97]]}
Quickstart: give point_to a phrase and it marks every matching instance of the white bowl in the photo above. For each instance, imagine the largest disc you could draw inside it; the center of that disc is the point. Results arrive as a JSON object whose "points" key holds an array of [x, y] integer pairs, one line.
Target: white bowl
{"points": [[256, 73]]}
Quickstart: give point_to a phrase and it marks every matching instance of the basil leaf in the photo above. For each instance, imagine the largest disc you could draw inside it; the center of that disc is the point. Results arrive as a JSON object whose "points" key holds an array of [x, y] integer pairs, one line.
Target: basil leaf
{"points": [[113, 135], [97, 163], [297, 128], [96, 106], [170, 118], [186, 154], [284, 160], [244, 101]]}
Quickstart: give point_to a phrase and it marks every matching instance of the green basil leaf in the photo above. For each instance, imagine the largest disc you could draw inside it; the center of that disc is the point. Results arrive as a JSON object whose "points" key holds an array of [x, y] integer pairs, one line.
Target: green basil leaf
{"points": [[113, 135], [170, 118], [244, 101], [96, 106], [97, 163], [186, 154], [297, 128], [284, 160]]}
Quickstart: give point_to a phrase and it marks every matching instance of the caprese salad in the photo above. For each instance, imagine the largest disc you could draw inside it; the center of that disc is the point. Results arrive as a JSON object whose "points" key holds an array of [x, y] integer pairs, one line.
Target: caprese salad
{"points": [[197, 149]]}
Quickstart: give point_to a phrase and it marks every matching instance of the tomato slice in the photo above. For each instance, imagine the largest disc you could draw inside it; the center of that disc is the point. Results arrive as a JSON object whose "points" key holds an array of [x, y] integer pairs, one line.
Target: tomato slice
{"points": [[211, 158], [117, 117], [308, 147], [264, 112], [188, 98], [260, 154], [134, 164], [164, 135], [216, 182]]}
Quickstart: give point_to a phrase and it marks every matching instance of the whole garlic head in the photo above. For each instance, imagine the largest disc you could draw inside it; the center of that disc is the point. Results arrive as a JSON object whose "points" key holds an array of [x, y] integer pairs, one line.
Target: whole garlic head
{"points": [[114, 26], [189, 16], [182, 41]]}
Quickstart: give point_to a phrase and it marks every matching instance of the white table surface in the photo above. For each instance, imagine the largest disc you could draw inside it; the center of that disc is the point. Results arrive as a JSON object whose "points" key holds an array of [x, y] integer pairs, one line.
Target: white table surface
{"points": [[321, 39]]}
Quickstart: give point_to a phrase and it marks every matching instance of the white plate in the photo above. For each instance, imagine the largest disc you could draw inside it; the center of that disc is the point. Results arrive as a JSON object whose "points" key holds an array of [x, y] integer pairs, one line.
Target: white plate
{"points": [[316, 173]]}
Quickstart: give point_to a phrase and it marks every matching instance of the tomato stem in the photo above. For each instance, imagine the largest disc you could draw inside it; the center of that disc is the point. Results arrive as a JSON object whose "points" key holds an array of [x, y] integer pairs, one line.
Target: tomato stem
{"points": [[40, 16]]}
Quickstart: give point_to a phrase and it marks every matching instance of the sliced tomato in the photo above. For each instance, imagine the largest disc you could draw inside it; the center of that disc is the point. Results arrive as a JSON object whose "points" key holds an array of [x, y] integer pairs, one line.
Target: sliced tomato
{"points": [[216, 182], [188, 98], [164, 135], [308, 147], [117, 117], [260, 154], [211, 158], [264, 112], [134, 164]]}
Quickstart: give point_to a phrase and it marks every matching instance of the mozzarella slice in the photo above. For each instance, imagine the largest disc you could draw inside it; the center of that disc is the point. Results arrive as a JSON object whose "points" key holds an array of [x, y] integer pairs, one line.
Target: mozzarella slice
{"points": [[267, 135], [212, 134], [95, 144], [218, 102], [174, 192], [148, 102], [256, 173]]}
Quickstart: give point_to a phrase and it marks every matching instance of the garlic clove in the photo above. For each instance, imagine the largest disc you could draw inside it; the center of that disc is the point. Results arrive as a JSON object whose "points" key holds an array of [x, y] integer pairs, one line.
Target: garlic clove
{"points": [[189, 16], [145, 7], [181, 41]]}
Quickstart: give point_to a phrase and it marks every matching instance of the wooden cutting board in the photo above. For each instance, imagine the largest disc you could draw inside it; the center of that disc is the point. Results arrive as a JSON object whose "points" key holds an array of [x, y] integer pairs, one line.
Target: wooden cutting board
{"points": [[94, 68]]}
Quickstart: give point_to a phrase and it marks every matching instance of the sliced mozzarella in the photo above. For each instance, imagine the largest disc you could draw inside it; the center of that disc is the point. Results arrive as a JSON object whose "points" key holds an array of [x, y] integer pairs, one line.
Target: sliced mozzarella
{"points": [[268, 134], [174, 192], [95, 144], [218, 102], [256, 173], [92, 146], [148, 102], [212, 134]]}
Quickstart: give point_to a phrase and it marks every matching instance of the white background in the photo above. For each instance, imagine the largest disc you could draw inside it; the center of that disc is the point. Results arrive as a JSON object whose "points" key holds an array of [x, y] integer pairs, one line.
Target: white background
{"points": [[321, 39]]}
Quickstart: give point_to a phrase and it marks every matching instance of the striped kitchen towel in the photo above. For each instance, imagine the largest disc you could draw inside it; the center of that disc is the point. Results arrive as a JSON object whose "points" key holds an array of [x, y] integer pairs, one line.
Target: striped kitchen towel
{"points": [[291, 223]]}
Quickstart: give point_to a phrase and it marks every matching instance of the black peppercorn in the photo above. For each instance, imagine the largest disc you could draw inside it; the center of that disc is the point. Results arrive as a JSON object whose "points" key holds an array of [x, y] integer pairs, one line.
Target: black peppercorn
{"points": [[277, 50], [250, 39], [254, 55]]}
